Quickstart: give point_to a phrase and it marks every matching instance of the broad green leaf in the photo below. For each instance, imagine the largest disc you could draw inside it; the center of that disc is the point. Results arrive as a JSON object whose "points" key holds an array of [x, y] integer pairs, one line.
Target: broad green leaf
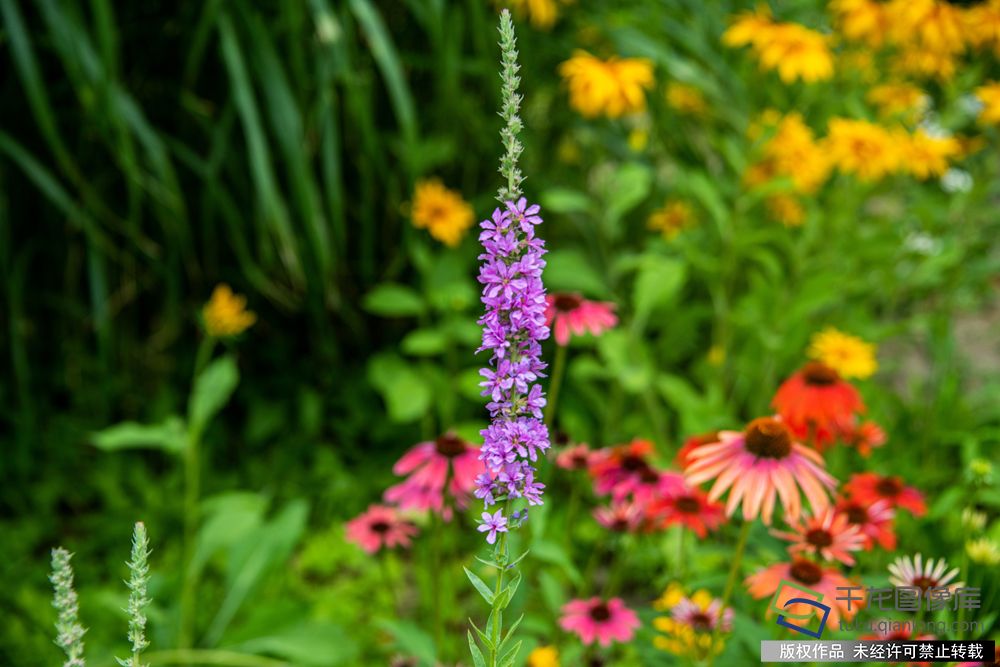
{"points": [[393, 300], [564, 200], [312, 644], [424, 342], [406, 393], [212, 390], [554, 554], [480, 585], [570, 271], [657, 282], [170, 436]]}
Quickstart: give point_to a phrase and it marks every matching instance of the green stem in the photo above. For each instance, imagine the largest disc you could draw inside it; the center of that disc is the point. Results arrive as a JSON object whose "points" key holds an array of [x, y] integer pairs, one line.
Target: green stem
{"points": [[558, 371], [734, 570], [436, 566], [497, 615]]}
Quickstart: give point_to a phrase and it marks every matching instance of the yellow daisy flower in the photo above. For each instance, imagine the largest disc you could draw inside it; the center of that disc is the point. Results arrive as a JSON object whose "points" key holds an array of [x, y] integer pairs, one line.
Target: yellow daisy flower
{"points": [[786, 209], [849, 355], [897, 99], [442, 212], [541, 13], [613, 87], [925, 156], [861, 20], [686, 99], [989, 95], [931, 25], [794, 51], [695, 624], [226, 313], [792, 151], [544, 656], [858, 147], [671, 218]]}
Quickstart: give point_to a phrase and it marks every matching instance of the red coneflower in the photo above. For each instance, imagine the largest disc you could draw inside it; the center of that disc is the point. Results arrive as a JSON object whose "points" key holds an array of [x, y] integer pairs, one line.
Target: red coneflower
{"points": [[864, 437], [686, 506], [874, 520], [817, 404], [572, 314], [828, 534], [765, 583], [692, 443], [759, 465], [450, 461], [380, 526], [867, 487]]}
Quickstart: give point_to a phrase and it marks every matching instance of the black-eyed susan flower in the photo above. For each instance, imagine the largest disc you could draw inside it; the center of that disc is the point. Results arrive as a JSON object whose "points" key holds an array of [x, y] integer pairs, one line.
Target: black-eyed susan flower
{"points": [[897, 99], [861, 148], [614, 87], [694, 625], [861, 20], [925, 155], [989, 96], [931, 25], [442, 212], [544, 656], [671, 218], [849, 355], [794, 51], [792, 152], [226, 315]]}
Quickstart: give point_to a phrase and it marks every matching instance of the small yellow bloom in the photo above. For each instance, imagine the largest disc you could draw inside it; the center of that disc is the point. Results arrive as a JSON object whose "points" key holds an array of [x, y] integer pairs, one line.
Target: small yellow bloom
{"points": [[441, 211], [864, 149], [929, 25], [613, 87], [917, 61], [786, 209], [225, 314], [691, 631], [671, 218], [848, 355], [686, 99], [897, 99], [973, 520], [793, 152], [541, 13], [671, 596], [983, 551], [544, 656], [989, 96], [982, 24], [925, 155], [862, 20], [796, 52]]}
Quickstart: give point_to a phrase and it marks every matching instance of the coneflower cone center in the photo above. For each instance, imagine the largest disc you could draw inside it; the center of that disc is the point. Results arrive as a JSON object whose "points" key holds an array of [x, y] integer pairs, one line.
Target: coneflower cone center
{"points": [[701, 622], [634, 463], [450, 445], [380, 527], [687, 504], [819, 375], [768, 438], [856, 514], [565, 303], [806, 571], [923, 582], [887, 486], [600, 612], [819, 537]]}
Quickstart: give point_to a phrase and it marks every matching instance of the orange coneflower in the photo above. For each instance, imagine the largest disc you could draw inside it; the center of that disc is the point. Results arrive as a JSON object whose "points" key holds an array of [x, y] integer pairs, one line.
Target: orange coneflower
{"points": [[758, 465], [682, 459], [765, 583], [874, 520], [867, 487], [686, 506], [816, 403], [828, 534]]}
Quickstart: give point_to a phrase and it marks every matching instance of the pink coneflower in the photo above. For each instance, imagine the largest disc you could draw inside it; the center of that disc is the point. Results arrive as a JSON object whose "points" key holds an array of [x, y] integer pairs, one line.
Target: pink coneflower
{"points": [[765, 583], [868, 487], [450, 461], [572, 314], [380, 526], [687, 506], [574, 457], [620, 517], [625, 470], [758, 466], [916, 573], [875, 521], [828, 534], [596, 619], [817, 404]]}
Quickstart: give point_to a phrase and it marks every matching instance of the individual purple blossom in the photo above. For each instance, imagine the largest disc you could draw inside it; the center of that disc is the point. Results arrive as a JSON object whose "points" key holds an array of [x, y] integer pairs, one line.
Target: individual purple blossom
{"points": [[513, 328], [493, 523]]}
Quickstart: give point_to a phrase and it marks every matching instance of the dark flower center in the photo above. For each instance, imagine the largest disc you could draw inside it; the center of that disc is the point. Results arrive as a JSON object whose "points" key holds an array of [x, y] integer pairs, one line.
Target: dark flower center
{"points": [[806, 571], [768, 438], [856, 514], [561, 438], [567, 302], [620, 525], [579, 460], [924, 582], [818, 374], [450, 445], [889, 486], [380, 527], [633, 463], [687, 504], [701, 622], [965, 3], [600, 612], [648, 476], [819, 538]]}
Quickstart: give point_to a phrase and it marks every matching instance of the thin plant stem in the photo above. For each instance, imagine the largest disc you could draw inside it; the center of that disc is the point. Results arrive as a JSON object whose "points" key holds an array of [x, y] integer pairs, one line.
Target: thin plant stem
{"points": [[734, 570], [436, 566], [558, 371], [501, 560]]}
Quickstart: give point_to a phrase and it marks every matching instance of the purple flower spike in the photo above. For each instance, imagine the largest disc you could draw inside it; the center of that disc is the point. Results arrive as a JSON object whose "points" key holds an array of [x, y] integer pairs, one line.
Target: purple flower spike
{"points": [[513, 328]]}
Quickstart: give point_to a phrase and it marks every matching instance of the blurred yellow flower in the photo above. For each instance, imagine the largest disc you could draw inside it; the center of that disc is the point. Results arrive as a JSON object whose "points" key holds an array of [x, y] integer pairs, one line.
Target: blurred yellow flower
{"points": [[544, 656], [686, 99], [864, 149], [612, 87], [541, 13], [931, 25], [918, 61], [989, 96], [983, 551], [226, 313], [973, 520], [897, 99], [982, 24], [795, 51], [861, 20], [925, 155], [440, 211], [849, 355], [791, 151], [786, 209], [695, 624], [671, 218]]}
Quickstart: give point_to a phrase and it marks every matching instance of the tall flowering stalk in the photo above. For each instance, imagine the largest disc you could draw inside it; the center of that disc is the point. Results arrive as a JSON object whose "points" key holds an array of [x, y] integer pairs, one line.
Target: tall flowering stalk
{"points": [[69, 631], [513, 328], [138, 567]]}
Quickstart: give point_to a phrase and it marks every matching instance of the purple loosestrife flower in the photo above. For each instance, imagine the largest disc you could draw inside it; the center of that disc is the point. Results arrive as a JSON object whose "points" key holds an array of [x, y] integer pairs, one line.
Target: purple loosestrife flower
{"points": [[493, 523], [513, 328]]}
